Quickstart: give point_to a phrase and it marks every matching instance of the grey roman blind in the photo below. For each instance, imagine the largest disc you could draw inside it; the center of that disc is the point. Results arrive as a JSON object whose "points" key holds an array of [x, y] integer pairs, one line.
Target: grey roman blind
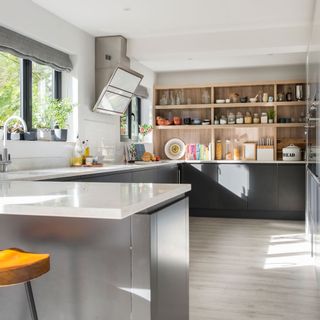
{"points": [[26, 48]]}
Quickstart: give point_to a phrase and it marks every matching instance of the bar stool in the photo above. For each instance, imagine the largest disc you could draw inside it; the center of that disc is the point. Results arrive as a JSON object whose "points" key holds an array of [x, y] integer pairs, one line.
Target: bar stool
{"points": [[17, 266]]}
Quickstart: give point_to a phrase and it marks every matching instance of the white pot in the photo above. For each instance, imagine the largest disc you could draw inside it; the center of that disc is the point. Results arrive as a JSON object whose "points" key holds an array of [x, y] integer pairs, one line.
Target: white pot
{"points": [[291, 153]]}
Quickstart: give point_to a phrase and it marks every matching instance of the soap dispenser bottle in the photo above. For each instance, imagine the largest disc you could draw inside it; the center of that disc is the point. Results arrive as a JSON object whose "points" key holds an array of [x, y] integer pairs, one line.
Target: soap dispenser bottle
{"points": [[77, 153]]}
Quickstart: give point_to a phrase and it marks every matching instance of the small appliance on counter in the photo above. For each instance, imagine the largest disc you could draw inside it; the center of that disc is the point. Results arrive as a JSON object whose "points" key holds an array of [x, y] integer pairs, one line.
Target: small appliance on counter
{"points": [[291, 153]]}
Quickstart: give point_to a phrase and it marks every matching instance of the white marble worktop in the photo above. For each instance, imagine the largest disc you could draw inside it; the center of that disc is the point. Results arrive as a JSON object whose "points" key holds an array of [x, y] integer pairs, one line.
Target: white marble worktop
{"points": [[47, 174], [84, 200]]}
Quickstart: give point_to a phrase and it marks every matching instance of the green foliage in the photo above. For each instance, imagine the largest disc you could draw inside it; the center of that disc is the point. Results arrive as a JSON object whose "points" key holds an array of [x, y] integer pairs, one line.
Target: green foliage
{"points": [[9, 86], [55, 114], [271, 114]]}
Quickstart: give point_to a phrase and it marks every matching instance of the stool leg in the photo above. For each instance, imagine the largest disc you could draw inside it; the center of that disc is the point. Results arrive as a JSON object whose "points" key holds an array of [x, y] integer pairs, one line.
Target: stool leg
{"points": [[31, 302]]}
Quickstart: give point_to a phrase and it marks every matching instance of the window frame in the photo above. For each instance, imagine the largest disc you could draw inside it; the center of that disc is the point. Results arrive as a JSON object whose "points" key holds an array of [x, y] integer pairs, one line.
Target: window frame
{"points": [[129, 113], [26, 90]]}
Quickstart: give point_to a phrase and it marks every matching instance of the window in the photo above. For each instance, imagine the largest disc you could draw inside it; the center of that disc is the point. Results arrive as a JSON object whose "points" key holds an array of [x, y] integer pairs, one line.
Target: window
{"points": [[26, 88], [9, 86], [130, 121]]}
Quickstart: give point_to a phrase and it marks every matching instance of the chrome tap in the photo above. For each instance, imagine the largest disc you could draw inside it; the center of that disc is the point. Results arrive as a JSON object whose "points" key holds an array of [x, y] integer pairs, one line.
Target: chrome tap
{"points": [[5, 158]]}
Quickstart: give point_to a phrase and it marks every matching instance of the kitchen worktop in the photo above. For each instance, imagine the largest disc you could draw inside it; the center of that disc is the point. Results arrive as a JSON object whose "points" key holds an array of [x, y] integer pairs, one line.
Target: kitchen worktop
{"points": [[84, 200], [47, 174]]}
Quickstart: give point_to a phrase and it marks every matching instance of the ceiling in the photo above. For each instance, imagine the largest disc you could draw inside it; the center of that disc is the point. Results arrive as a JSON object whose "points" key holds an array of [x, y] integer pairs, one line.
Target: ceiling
{"points": [[170, 35]]}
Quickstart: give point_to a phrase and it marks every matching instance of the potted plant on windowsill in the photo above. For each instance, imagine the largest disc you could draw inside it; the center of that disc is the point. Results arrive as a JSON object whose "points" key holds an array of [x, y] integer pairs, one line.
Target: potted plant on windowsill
{"points": [[52, 123]]}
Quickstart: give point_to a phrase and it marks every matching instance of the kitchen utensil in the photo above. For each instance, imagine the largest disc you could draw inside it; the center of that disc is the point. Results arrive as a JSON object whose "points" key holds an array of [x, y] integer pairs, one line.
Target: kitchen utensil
{"points": [[291, 153], [253, 99], [175, 149], [196, 121], [187, 120], [244, 99]]}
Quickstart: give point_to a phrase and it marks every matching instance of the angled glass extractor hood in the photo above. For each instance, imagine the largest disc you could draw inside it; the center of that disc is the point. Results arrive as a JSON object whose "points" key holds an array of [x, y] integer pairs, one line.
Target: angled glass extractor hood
{"points": [[116, 95]]}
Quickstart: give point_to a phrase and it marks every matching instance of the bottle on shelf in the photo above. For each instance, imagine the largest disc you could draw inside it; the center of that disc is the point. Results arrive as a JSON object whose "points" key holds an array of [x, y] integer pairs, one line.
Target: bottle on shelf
{"points": [[236, 150], [77, 153]]}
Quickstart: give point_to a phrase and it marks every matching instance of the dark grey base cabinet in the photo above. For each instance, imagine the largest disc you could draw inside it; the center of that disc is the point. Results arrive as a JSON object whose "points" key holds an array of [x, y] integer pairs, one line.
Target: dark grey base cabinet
{"points": [[264, 191]]}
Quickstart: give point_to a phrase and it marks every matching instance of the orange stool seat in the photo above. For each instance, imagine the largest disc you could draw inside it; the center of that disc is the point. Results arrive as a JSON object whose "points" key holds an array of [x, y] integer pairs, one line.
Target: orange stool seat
{"points": [[17, 266]]}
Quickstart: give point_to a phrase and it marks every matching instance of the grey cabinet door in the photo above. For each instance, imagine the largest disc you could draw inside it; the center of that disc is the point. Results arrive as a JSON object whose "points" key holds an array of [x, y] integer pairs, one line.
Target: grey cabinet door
{"points": [[167, 174], [232, 187], [144, 176], [291, 187], [262, 187], [202, 178]]}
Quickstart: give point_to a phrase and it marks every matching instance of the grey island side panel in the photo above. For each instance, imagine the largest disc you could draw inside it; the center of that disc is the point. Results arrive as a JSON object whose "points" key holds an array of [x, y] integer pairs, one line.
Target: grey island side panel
{"points": [[104, 269]]}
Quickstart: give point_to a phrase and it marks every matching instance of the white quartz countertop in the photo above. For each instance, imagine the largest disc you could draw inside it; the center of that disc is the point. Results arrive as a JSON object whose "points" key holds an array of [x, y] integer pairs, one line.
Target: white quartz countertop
{"points": [[84, 200], [47, 174]]}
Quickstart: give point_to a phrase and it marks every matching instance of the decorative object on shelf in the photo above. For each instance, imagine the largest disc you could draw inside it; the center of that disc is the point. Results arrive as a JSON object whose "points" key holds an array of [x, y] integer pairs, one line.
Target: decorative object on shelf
{"points": [[264, 118], [281, 97], [218, 155], [253, 100], [178, 99], [270, 99], [177, 121], [302, 118], [234, 97], [132, 153], [248, 118], [216, 120], [228, 100], [220, 101], [249, 151], [172, 100], [231, 118], [299, 92], [239, 118], [291, 153], [205, 99], [144, 130], [289, 96], [197, 151], [228, 155], [256, 119], [260, 96], [187, 121], [189, 101], [244, 99], [175, 149], [206, 122], [265, 97], [271, 115]]}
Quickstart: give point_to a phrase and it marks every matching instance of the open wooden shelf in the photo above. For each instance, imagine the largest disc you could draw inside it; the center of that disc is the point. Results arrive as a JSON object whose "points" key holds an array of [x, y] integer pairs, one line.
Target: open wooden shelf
{"points": [[281, 133], [230, 126]]}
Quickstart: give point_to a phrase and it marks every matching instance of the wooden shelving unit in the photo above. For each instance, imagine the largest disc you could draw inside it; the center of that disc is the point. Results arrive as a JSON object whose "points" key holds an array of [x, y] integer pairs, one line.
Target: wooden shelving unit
{"points": [[282, 133]]}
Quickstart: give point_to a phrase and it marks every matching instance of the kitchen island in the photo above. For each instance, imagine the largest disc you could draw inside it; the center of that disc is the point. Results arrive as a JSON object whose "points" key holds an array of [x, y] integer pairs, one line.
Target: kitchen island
{"points": [[118, 251]]}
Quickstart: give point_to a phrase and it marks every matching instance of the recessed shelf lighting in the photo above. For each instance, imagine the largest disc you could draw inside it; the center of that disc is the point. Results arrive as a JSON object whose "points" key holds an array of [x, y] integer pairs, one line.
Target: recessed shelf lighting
{"points": [[127, 9]]}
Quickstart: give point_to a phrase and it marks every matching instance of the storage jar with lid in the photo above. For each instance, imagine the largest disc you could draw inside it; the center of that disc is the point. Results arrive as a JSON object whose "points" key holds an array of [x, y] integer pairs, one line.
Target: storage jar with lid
{"points": [[231, 118], [264, 117], [291, 153], [256, 118], [228, 150], [248, 118], [236, 150], [239, 118], [223, 120]]}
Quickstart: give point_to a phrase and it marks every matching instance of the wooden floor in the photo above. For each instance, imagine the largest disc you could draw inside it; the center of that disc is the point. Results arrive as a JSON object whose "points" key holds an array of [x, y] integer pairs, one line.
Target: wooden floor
{"points": [[251, 269]]}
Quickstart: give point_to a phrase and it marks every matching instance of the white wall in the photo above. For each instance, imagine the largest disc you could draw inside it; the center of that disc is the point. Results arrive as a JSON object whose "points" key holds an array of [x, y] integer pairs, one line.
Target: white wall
{"points": [[296, 72]]}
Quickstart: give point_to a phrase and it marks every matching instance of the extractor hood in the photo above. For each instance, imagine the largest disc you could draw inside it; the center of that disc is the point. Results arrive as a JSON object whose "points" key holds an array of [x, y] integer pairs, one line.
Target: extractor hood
{"points": [[116, 83]]}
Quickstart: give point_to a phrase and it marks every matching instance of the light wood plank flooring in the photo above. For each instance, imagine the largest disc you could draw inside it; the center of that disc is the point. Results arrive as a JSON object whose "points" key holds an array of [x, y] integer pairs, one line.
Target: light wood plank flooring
{"points": [[251, 269]]}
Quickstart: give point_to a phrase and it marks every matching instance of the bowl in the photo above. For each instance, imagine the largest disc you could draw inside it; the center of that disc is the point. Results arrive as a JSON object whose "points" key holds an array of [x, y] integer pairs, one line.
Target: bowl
{"points": [[253, 100], [196, 121], [220, 101], [244, 99]]}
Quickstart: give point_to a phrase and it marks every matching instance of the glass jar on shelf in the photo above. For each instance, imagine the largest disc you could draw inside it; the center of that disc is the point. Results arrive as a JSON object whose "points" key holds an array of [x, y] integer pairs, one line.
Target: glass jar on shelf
{"points": [[256, 118], [248, 118], [264, 117], [236, 150], [228, 150], [231, 118], [205, 99], [223, 119], [239, 118], [218, 150]]}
